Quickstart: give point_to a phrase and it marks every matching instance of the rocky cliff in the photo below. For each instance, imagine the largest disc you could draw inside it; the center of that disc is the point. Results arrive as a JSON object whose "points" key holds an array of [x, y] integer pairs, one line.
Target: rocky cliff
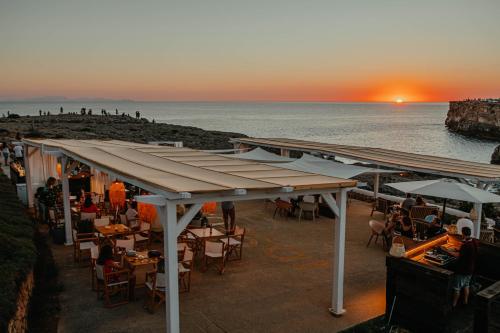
{"points": [[76, 126], [476, 118]]}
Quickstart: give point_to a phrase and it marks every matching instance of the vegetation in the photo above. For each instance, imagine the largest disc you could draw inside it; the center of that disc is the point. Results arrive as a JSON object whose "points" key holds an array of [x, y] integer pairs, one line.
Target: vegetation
{"points": [[17, 251]]}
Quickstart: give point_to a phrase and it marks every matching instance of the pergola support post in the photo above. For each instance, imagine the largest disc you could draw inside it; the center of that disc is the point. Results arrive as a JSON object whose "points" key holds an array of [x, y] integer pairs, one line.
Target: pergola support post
{"points": [[66, 204], [27, 174], [169, 222], [337, 308]]}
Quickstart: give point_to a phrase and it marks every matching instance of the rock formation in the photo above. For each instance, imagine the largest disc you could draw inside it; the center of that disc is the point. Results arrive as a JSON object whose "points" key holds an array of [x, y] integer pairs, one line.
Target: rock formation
{"points": [[117, 127], [475, 118]]}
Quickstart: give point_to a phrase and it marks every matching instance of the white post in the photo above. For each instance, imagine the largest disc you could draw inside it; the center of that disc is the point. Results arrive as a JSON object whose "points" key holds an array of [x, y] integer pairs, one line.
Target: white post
{"points": [[337, 308], [478, 207], [27, 174], [285, 152], [376, 183], [169, 222], [66, 205]]}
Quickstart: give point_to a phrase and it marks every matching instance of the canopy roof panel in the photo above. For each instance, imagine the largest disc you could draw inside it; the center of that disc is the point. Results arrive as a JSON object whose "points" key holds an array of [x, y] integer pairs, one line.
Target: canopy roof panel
{"points": [[184, 170], [309, 163], [259, 155], [386, 157]]}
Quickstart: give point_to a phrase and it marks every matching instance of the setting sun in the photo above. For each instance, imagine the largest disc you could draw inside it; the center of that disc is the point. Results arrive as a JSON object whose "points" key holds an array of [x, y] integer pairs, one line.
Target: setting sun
{"points": [[399, 100]]}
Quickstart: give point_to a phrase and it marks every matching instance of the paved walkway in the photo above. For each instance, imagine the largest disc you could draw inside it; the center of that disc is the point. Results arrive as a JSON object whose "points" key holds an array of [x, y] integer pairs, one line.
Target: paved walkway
{"points": [[283, 283]]}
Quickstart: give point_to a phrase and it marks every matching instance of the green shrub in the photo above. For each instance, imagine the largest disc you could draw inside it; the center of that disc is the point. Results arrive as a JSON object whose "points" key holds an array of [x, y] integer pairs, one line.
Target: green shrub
{"points": [[17, 250]]}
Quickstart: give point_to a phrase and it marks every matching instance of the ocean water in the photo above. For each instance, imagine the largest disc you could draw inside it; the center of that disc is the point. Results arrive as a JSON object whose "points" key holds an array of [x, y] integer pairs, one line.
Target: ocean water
{"points": [[412, 127]]}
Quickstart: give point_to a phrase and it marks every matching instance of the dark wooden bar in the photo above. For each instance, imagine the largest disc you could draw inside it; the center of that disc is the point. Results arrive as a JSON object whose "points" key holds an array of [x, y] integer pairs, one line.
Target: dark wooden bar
{"points": [[421, 291]]}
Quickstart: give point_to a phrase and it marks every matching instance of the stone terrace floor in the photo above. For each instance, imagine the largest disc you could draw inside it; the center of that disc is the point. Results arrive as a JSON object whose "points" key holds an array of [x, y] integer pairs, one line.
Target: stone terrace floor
{"points": [[283, 283]]}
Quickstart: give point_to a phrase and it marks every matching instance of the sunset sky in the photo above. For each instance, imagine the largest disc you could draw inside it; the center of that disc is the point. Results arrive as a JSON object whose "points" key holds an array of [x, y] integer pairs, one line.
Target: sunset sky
{"points": [[250, 50]]}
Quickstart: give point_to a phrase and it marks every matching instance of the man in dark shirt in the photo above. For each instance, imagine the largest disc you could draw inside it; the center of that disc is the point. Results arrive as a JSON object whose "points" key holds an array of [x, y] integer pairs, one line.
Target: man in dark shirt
{"points": [[465, 266], [408, 202]]}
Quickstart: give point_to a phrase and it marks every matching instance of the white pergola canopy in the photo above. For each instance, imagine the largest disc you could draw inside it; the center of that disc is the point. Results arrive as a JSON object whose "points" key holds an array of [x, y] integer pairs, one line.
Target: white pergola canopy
{"points": [[259, 155], [187, 176], [321, 166]]}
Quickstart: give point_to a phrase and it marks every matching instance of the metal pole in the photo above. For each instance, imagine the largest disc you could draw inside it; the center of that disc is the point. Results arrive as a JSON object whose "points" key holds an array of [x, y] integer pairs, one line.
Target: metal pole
{"points": [[376, 183], [478, 207], [66, 204], [169, 222], [338, 257]]}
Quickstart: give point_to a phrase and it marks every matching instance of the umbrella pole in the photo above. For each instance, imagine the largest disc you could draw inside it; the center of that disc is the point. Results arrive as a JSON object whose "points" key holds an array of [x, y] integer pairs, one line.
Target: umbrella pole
{"points": [[444, 210]]}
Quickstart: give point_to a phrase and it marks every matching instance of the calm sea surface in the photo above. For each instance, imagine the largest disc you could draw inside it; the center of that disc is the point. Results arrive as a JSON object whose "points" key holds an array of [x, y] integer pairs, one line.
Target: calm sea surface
{"points": [[415, 127]]}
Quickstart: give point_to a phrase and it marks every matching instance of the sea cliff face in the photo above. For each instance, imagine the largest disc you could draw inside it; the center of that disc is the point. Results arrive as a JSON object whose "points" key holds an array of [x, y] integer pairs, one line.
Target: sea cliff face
{"points": [[475, 118]]}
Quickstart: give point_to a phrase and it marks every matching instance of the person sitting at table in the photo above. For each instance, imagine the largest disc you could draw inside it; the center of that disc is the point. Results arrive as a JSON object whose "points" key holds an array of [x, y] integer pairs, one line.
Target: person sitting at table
{"points": [[132, 214], [420, 201], [406, 226], [432, 216], [88, 206], [408, 202], [105, 259], [434, 227]]}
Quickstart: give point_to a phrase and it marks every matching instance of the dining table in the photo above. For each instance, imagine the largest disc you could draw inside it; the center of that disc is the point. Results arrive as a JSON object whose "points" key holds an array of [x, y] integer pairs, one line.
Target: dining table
{"points": [[202, 233], [113, 230]]}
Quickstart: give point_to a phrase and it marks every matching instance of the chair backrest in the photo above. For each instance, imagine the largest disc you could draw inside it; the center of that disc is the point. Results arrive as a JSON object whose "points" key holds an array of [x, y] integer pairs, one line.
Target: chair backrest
{"points": [[420, 212], [87, 216], [99, 272], [214, 247], [381, 205], [127, 244], [123, 219], [239, 231], [487, 235], [102, 222], [94, 252], [376, 226], [309, 198], [145, 226], [160, 280], [188, 255]]}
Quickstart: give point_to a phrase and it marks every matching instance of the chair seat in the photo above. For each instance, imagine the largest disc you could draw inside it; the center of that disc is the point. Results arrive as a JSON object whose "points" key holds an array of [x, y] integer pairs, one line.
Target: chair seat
{"points": [[149, 285], [215, 254], [232, 241], [182, 268], [139, 238], [86, 245]]}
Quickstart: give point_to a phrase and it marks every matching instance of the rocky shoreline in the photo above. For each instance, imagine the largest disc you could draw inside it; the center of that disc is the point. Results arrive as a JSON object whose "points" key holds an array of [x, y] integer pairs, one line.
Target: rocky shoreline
{"points": [[117, 127]]}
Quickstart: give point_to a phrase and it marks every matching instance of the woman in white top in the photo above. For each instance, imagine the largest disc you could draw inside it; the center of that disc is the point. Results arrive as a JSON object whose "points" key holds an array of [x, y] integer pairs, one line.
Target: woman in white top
{"points": [[5, 152], [132, 214]]}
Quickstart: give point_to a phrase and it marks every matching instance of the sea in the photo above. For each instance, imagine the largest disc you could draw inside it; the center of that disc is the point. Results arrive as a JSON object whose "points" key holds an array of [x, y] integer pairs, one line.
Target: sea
{"points": [[411, 127]]}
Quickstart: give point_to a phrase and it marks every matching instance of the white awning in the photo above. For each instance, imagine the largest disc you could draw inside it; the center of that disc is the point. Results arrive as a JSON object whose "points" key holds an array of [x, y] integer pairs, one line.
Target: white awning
{"points": [[317, 165], [259, 155]]}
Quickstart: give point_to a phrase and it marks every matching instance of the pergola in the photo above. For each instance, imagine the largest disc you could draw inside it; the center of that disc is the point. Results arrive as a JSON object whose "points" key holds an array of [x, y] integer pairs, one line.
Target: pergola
{"points": [[483, 175], [185, 176]]}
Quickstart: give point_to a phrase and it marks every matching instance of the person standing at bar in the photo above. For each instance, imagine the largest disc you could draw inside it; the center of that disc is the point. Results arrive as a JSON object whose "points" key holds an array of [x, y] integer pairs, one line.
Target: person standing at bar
{"points": [[466, 264], [228, 212]]}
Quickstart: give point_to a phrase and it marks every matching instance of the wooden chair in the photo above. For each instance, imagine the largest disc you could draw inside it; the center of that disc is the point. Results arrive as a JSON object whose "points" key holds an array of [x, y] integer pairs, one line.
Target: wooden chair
{"points": [[185, 268], [142, 237], [83, 242], [234, 243], [214, 250], [420, 212], [155, 288], [380, 205], [487, 235], [111, 284], [283, 208], [377, 229]]}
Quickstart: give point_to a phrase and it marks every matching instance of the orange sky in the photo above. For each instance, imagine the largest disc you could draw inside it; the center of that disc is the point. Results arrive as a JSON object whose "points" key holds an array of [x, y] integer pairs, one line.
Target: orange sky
{"points": [[226, 50]]}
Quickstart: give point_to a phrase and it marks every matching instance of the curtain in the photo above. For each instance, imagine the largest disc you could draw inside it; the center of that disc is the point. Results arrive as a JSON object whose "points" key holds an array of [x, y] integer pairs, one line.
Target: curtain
{"points": [[99, 181]]}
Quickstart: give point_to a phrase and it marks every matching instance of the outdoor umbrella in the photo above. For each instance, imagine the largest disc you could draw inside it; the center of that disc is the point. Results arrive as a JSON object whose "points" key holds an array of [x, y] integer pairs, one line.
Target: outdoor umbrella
{"points": [[447, 189]]}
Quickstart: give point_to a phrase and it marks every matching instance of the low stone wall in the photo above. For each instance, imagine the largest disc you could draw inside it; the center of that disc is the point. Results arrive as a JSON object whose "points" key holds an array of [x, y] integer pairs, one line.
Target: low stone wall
{"points": [[19, 322]]}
